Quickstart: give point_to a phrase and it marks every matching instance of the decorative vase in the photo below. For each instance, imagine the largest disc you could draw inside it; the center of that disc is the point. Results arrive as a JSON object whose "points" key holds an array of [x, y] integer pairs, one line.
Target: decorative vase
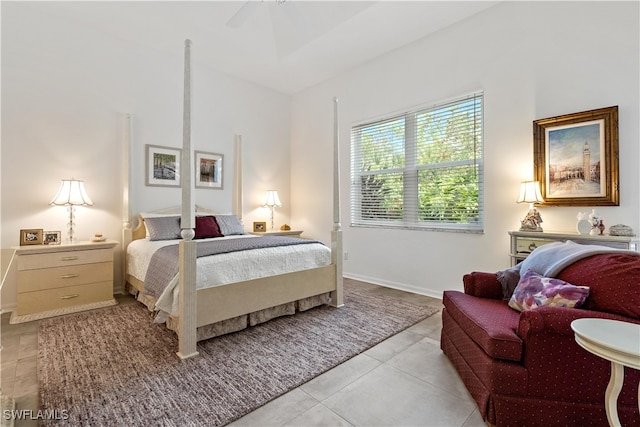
{"points": [[594, 219], [583, 226], [601, 227]]}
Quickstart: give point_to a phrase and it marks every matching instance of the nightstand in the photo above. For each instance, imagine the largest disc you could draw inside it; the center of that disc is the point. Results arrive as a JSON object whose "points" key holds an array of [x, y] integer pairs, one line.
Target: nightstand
{"points": [[62, 279], [290, 233]]}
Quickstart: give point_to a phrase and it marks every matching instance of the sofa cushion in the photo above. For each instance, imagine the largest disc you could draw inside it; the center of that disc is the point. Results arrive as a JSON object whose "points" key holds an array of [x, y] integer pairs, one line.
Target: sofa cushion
{"points": [[489, 322], [535, 290], [613, 280]]}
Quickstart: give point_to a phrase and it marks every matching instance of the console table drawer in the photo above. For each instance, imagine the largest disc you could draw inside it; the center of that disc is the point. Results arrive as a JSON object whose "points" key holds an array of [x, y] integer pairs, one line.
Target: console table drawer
{"points": [[525, 245], [60, 298], [58, 277], [59, 259]]}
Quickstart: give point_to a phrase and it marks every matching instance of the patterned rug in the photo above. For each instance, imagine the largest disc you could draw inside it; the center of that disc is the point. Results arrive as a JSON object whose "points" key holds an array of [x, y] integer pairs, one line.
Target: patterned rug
{"points": [[115, 367]]}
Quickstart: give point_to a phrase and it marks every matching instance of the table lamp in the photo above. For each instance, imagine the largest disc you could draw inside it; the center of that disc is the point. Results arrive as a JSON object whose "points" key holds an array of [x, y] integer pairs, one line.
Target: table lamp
{"points": [[530, 193], [71, 194], [271, 201]]}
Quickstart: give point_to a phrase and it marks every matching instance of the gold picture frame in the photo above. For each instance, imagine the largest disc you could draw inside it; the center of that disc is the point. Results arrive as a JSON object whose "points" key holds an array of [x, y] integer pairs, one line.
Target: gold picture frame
{"points": [[31, 236], [259, 227], [576, 158]]}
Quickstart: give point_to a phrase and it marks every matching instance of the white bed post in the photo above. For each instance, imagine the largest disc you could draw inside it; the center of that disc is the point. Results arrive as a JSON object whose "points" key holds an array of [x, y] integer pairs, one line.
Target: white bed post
{"points": [[237, 182], [336, 234], [126, 214], [187, 294]]}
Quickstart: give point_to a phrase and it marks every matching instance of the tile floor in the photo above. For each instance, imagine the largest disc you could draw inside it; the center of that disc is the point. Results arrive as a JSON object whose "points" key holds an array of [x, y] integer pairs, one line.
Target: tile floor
{"points": [[403, 381]]}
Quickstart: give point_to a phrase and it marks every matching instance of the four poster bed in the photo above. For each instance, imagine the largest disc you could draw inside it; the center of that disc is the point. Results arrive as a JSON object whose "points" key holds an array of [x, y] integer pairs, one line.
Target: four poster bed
{"points": [[202, 300]]}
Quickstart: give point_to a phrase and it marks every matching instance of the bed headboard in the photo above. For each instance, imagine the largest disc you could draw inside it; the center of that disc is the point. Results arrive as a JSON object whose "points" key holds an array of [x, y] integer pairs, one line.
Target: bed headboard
{"points": [[140, 231]]}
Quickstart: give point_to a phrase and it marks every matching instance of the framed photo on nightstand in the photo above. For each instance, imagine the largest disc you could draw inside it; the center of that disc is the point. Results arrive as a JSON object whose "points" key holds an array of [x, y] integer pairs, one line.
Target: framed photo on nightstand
{"points": [[51, 238], [31, 237], [260, 226]]}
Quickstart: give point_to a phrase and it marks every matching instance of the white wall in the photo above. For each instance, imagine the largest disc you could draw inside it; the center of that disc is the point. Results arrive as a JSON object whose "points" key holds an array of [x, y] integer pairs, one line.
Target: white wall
{"points": [[533, 60], [65, 88]]}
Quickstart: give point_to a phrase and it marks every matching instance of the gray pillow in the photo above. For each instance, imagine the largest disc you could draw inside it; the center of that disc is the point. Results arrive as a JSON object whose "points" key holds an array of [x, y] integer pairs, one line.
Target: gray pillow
{"points": [[163, 227], [229, 225], [509, 279]]}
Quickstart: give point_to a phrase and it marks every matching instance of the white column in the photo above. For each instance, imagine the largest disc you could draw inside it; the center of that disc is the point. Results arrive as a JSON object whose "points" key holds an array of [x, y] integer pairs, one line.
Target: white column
{"points": [[237, 182], [187, 322], [126, 188], [337, 299]]}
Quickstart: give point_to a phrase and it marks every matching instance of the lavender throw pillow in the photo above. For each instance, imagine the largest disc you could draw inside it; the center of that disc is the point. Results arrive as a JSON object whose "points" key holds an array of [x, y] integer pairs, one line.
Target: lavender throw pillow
{"points": [[535, 290]]}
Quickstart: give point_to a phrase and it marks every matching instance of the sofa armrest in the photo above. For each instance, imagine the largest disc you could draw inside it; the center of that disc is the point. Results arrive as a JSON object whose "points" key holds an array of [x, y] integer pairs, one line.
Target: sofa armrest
{"points": [[483, 285], [552, 356], [557, 320]]}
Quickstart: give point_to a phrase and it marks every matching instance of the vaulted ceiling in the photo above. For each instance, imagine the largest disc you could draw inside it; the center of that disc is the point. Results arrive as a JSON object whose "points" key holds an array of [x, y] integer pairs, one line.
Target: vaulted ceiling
{"points": [[285, 45]]}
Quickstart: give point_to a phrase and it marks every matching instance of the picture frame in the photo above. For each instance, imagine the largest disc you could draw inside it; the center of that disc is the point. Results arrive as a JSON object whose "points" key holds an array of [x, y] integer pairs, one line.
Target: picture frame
{"points": [[31, 236], [51, 238], [208, 170], [576, 158], [162, 166], [259, 227]]}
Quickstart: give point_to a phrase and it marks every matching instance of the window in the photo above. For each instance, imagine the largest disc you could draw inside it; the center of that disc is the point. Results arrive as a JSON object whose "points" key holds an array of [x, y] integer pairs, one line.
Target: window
{"points": [[421, 169]]}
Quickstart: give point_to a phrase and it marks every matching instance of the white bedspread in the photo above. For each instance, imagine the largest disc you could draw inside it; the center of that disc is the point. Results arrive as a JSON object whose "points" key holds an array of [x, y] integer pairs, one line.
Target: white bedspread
{"points": [[230, 267]]}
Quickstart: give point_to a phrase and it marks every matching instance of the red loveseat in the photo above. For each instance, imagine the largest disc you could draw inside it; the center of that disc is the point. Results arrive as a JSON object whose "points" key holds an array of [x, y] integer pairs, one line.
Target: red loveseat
{"points": [[525, 368]]}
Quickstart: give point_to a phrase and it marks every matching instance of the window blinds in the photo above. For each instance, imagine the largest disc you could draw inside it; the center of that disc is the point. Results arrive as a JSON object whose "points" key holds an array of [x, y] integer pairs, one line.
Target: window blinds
{"points": [[420, 169]]}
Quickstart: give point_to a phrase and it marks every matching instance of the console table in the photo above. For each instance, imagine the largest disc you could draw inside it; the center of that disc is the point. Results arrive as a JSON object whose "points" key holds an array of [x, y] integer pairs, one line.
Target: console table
{"points": [[524, 242], [617, 342]]}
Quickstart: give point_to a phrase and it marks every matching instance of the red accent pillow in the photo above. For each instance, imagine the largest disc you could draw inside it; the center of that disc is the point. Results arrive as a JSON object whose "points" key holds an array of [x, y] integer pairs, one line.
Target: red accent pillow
{"points": [[613, 280], [206, 226]]}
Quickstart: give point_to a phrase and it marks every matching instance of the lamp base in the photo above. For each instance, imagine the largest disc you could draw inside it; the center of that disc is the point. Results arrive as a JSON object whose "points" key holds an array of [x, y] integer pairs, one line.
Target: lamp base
{"points": [[531, 221]]}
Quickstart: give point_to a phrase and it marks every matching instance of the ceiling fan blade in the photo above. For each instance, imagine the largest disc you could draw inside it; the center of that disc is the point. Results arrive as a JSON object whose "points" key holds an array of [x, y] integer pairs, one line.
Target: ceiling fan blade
{"points": [[296, 17], [242, 14]]}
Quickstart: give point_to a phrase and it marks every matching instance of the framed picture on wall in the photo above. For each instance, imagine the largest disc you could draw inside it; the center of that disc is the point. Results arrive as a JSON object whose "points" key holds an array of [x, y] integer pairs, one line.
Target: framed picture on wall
{"points": [[576, 158], [208, 170], [162, 166], [31, 236]]}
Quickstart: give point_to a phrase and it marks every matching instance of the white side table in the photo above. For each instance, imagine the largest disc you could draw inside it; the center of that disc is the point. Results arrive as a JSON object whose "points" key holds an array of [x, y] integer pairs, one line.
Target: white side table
{"points": [[618, 342]]}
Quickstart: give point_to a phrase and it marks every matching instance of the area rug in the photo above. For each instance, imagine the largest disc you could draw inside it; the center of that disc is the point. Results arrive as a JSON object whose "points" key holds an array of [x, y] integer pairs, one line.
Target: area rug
{"points": [[115, 367]]}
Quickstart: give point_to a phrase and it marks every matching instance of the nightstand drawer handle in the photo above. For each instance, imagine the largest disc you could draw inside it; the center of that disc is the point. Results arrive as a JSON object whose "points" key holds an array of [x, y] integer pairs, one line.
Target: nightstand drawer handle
{"points": [[69, 276], [70, 296], [69, 258]]}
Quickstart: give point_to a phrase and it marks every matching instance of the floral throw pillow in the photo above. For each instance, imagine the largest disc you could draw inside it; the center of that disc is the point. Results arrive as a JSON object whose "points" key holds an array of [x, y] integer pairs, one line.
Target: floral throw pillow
{"points": [[535, 291]]}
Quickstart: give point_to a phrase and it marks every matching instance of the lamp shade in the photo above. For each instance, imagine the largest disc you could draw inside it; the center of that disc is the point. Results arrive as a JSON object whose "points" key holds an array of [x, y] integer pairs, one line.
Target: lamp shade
{"points": [[272, 199], [530, 192], [71, 193]]}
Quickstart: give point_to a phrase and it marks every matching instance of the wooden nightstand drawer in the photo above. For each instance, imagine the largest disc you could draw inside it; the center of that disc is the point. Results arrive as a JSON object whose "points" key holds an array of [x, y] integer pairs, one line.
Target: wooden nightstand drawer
{"points": [[59, 259], [60, 298], [58, 277]]}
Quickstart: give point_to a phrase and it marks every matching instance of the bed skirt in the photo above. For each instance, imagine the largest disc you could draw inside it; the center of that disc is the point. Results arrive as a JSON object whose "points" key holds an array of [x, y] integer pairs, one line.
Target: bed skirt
{"points": [[238, 323]]}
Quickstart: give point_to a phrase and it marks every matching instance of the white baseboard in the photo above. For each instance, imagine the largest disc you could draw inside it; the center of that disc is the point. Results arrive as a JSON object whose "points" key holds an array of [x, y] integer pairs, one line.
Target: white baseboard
{"points": [[395, 285]]}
